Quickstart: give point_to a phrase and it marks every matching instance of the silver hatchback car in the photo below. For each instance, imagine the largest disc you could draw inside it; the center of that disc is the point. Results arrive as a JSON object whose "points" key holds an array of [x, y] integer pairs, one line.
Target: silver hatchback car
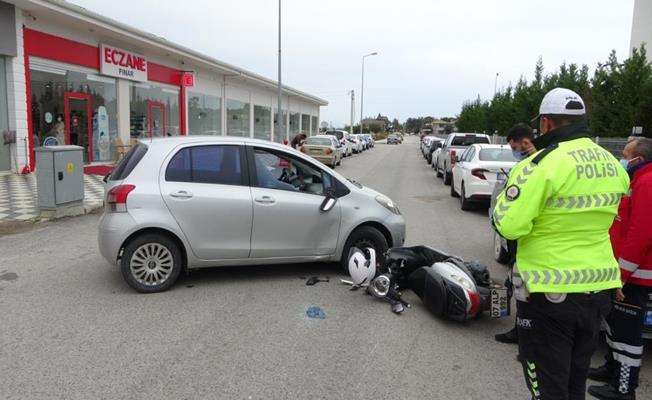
{"points": [[193, 202]]}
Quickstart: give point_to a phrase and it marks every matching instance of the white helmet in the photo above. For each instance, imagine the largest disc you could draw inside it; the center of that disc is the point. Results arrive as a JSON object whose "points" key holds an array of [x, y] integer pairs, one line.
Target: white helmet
{"points": [[362, 265]]}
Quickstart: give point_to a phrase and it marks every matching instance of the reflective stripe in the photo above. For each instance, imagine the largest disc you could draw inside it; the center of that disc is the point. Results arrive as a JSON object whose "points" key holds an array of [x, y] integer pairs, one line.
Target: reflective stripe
{"points": [[525, 173], [626, 265], [634, 350], [642, 274], [590, 275], [632, 362], [584, 201], [531, 379]]}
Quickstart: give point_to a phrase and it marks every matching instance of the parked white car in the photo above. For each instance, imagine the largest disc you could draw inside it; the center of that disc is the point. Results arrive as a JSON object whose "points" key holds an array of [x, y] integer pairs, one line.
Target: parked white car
{"points": [[477, 170], [347, 148], [356, 143]]}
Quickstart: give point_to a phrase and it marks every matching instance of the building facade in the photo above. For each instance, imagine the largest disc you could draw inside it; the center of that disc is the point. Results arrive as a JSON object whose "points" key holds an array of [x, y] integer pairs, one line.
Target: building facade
{"points": [[70, 76], [642, 26]]}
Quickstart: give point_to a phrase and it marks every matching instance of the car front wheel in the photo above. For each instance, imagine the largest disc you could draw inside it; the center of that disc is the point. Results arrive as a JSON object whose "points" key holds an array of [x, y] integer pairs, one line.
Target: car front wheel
{"points": [[363, 237], [151, 263]]}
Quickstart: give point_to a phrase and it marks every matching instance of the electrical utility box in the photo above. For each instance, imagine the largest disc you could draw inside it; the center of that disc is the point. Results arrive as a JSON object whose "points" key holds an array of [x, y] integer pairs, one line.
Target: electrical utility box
{"points": [[60, 180]]}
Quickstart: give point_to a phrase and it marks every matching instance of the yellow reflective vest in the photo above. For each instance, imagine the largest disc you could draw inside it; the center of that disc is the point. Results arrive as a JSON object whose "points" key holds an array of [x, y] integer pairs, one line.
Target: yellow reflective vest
{"points": [[559, 207]]}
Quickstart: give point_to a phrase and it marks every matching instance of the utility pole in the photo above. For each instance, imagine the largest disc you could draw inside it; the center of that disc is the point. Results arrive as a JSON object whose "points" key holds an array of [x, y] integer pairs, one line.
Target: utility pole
{"points": [[495, 84], [279, 115], [352, 110]]}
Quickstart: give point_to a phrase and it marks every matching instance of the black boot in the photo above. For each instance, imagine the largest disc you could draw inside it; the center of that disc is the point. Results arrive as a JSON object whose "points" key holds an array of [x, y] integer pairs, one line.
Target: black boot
{"points": [[509, 337], [607, 392], [600, 374]]}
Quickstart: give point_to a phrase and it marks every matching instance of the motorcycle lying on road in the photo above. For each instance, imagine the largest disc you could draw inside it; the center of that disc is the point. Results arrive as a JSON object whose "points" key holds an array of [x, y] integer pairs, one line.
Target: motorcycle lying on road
{"points": [[448, 286]]}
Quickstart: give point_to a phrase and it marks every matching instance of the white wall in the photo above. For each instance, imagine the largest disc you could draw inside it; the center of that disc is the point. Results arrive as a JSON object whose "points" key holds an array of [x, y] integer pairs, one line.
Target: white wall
{"points": [[17, 100], [642, 26]]}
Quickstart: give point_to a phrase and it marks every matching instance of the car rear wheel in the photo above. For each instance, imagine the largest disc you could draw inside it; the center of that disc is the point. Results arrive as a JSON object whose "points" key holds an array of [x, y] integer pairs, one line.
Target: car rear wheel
{"points": [[453, 192], [448, 176], [465, 204], [151, 263], [363, 237], [500, 254]]}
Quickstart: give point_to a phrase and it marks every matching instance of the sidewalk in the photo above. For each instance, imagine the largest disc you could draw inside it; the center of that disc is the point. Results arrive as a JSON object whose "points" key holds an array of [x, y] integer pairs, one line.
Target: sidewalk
{"points": [[18, 196]]}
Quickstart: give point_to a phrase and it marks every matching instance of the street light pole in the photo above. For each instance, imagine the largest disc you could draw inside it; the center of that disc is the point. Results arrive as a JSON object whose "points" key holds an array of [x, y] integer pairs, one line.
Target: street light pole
{"points": [[362, 89], [495, 84], [352, 110], [279, 119]]}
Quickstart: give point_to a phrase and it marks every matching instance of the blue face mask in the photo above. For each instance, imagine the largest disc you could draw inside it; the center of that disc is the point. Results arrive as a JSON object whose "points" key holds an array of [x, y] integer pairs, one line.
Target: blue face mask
{"points": [[518, 155], [625, 163]]}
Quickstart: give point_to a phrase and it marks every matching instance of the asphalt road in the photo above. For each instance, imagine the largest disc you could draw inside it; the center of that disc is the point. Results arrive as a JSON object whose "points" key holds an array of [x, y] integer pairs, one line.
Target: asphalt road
{"points": [[70, 328]]}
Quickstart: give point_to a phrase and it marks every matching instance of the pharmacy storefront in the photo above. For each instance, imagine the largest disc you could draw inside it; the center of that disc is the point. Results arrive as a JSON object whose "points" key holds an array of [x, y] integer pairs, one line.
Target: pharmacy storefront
{"points": [[74, 95], [79, 78]]}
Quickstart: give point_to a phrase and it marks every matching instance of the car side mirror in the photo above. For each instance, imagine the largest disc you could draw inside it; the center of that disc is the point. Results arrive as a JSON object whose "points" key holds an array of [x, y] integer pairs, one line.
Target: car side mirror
{"points": [[329, 202]]}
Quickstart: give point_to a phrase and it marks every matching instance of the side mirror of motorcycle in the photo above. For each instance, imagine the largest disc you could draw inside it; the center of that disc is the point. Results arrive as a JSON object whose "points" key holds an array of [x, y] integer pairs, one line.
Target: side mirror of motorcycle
{"points": [[329, 202]]}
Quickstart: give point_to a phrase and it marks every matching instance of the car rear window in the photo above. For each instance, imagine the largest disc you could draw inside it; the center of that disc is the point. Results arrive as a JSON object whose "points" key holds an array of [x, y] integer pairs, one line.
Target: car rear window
{"points": [[338, 135], [468, 140], [496, 155], [206, 164], [318, 141], [128, 162]]}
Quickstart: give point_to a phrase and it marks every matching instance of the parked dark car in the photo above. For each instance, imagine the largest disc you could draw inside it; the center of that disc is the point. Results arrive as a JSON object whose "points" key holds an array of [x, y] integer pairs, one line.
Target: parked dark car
{"points": [[393, 139]]}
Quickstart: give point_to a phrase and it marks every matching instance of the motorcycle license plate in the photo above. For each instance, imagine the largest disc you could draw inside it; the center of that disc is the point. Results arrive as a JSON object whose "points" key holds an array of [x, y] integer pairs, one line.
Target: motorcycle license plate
{"points": [[648, 318], [499, 302]]}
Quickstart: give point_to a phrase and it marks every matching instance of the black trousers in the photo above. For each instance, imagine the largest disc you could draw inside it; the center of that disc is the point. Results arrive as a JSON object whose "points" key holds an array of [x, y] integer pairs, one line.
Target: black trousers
{"points": [[625, 337], [556, 342]]}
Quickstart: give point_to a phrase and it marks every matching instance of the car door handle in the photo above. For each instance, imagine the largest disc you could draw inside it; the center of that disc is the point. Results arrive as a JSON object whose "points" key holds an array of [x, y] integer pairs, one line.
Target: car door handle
{"points": [[181, 194], [265, 200]]}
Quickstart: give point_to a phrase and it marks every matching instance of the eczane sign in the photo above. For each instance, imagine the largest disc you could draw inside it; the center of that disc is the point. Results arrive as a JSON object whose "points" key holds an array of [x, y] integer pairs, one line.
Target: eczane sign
{"points": [[122, 63]]}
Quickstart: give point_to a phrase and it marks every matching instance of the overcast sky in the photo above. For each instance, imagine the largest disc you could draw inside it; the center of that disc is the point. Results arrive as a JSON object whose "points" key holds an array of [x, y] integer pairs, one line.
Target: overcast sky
{"points": [[433, 54]]}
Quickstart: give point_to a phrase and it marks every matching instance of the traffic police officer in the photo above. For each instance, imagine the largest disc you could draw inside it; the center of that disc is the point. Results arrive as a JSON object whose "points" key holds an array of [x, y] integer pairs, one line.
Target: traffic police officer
{"points": [[559, 204]]}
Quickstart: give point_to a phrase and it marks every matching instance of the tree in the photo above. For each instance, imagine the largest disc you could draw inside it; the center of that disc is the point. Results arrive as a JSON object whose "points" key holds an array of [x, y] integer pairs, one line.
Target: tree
{"points": [[618, 97]]}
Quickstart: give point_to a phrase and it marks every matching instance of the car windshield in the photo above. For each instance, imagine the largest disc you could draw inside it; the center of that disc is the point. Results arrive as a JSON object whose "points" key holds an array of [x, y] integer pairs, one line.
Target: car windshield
{"points": [[496, 155], [319, 141], [468, 140]]}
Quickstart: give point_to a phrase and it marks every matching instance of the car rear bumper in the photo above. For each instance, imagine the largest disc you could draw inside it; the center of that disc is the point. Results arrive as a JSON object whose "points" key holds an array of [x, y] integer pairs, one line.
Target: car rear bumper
{"points": [[112, 231], [329, 160], [479, 190]]}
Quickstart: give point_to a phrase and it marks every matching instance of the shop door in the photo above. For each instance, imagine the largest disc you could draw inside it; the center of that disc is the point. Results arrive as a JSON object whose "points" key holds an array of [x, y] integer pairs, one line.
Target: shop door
{"points": [[155, 119], [77, 114]]}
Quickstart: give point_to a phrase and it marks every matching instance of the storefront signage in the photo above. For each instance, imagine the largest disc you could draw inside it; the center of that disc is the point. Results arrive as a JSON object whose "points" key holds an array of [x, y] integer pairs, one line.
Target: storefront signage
{"points": [[122, 63], [188, 79]]}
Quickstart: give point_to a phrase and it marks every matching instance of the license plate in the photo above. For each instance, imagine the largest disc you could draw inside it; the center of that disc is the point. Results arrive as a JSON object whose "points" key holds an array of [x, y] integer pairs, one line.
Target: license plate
{"points": [[315, 151], [499, 302], [648, 318]]}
